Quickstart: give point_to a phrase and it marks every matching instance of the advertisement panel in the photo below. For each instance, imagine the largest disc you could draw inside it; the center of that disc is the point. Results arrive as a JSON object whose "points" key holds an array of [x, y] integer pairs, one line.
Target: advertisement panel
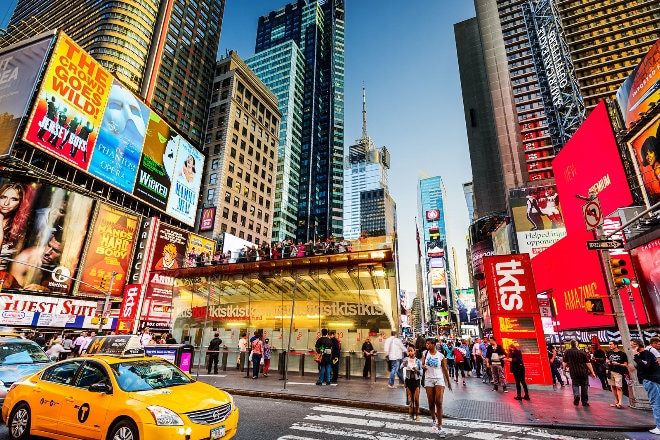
{"points": [[514, 310], [480, 250], [648, 260], [69, 108], [109, 250], [501, 242], [128, 308], [575, 172], [432, 215], [466, 303], [645, 147], [438, 277], [119, 145], [640, 88], [170, 248], [156, 168], [19, 70], [537, 218], [42, 239], [184, 193], [207, 220], [32, 310], [143, 257], [199, 248]]}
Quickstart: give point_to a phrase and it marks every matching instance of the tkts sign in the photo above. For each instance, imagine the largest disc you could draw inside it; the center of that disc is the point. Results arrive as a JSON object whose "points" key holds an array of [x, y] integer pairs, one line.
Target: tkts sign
{"points": [[510, 283]]}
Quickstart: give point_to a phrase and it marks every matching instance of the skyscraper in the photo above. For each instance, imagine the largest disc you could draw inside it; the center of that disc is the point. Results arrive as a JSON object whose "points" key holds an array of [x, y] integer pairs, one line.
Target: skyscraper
{"points": [[148, 45], [365, 171], [316, 27]]}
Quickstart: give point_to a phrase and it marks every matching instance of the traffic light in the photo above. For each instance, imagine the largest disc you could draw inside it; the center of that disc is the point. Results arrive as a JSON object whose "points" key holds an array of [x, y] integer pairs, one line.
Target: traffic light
{"points": [[619, 273], [594, 305]]}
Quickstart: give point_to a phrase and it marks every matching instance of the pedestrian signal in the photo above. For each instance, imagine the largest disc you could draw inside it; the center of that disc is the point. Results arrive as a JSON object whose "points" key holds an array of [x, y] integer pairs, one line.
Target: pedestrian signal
{"points": [[619, 273], [594, 305]]}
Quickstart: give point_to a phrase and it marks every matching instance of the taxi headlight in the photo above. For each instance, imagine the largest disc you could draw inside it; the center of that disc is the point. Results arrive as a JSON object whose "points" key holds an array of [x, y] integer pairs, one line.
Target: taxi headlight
{"points": [[164, 416]]}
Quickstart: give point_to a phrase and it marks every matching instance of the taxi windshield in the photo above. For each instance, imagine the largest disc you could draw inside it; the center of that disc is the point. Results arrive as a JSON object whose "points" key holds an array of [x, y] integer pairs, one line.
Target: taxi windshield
{"points": [[24, 352], [147, 375]]}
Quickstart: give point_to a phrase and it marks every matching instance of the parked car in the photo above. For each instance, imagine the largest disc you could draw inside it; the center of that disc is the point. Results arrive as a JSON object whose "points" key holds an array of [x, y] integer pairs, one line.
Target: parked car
{"points": [[19, 357]]}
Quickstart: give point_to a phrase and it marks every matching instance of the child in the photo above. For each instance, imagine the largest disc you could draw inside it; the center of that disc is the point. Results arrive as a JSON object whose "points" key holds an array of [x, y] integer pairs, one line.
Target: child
{"points": [[412, 372]]}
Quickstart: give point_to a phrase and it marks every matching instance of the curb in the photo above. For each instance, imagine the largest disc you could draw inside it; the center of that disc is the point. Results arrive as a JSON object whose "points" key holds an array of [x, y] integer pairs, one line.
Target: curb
{"points": [[424, 411]]}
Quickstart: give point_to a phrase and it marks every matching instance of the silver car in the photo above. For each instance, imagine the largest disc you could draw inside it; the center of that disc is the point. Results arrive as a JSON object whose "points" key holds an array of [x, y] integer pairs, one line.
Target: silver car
{"points": [[19, 357]]}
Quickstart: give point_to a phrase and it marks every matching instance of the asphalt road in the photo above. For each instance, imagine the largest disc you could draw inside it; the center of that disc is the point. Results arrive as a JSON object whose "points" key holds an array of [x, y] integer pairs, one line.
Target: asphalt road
{"points": [[273, 419]]}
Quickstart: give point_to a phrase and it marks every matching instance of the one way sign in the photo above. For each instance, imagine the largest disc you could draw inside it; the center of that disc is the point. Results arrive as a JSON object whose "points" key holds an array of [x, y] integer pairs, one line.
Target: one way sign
{"points": [[601, 245]]}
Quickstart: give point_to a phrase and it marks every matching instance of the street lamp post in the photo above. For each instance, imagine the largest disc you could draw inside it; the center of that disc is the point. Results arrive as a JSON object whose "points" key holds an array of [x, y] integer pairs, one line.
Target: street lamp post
{"points": [[635, 284]]}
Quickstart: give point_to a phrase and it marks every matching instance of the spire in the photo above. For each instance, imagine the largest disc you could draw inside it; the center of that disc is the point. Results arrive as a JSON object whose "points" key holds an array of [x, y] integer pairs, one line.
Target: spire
{"points": [[365, 140]]}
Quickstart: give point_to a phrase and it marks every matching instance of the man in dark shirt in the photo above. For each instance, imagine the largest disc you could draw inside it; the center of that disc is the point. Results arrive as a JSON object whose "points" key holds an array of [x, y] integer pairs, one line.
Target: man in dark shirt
{"points": [[617, 362], [369, 352], [336, 351], [598, 359], [214, 348], [648, 374], [324, 347], [578, 364]]}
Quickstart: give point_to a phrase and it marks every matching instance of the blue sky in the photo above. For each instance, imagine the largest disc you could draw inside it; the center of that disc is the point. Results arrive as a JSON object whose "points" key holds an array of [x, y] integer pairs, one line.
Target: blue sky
{"points": [[405, 54]]}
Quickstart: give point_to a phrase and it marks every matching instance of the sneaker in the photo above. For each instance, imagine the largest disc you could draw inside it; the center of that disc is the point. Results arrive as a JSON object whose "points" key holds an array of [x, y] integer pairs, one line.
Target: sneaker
{"points": [[441, 433], [495, 388], [505, 390], [554, 386], [655, 431], [391, 386], [518, 398], [526, 398], [463, 383], [576, 401], [434, 426]]}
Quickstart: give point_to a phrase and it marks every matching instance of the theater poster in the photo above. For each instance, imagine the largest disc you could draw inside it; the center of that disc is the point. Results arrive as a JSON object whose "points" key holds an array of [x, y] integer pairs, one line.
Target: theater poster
{"points": [[119, 146], [170, 248], [198, 245], [184, 194], [109, 250], [67, 113]]}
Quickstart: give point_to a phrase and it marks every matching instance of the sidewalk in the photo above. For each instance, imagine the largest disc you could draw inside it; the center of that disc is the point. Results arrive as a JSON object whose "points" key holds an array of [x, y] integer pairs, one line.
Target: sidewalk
{"points": [[476, 401]]}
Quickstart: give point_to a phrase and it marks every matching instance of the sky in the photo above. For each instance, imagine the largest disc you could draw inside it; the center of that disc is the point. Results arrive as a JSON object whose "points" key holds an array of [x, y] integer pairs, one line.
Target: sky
{"points": [[405, 54]]}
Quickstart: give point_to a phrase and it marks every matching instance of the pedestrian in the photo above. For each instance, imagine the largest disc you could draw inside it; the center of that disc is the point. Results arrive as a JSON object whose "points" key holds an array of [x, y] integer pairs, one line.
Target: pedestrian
{"points": [[555, 366], [412, 373], [86, 341], [214, 353], [394, 350], [449, 355], [336, 352], [242, 350], [460, 356], [67, 344], [80, 340], [368, 352], [55, 350], [598, 359], [169, 339], [495, 360], [268, 351], [145, 338], [40, 340], [436, 378], [476, 355], [654, 347], [257, 354], [517, 367], [324, 347], [617, 364], [487, 376], [577, 362], [648, 374]]}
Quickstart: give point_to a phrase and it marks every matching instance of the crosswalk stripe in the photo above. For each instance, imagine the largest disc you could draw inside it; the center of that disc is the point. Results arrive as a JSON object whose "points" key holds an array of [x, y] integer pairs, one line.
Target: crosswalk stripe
{"points": [[366, 433]]}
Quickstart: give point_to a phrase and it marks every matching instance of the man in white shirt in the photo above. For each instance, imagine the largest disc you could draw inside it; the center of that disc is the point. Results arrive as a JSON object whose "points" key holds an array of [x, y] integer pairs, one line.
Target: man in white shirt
{"points": [[654, 347], [476, 354], [145, 338], [78, 343], [86, 341], [394, 350]]}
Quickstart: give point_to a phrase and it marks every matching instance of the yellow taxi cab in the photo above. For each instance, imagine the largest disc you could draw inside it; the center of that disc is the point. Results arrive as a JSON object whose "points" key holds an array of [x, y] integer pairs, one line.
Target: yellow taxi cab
{"points": [[116, 392]]}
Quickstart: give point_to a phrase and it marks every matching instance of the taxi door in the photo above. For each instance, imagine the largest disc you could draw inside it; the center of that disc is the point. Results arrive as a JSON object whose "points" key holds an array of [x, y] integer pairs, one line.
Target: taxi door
{"points": [[83, 414], [48, 394]]}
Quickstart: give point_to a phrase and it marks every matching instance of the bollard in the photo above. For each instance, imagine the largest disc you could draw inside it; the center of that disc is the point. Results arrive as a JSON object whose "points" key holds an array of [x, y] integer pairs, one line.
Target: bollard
{"points": [[280, 363], [348, 367], [224, 360], [372, 359], [302, 365]]}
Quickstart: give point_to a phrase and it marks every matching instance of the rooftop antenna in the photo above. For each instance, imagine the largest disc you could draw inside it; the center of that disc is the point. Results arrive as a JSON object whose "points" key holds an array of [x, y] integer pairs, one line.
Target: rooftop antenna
{"points": [[365, 140]]}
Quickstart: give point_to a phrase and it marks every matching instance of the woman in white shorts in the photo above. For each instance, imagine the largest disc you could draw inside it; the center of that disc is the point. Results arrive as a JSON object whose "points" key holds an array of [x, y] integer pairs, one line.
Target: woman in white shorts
{"points": [[434, 364]]}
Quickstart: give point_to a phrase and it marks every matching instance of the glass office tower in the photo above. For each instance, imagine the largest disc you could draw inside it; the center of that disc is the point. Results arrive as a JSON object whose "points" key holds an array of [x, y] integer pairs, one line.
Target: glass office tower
{"points": [[317, 29]]}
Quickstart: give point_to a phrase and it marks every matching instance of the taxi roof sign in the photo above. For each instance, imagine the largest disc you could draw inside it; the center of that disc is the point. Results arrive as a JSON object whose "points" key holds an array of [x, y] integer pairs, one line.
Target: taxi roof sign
{"points": [[116, 345]]}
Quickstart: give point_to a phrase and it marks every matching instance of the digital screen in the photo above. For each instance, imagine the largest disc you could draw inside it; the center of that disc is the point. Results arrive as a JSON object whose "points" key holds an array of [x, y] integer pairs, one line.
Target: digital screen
{"points": [[527, 345]]}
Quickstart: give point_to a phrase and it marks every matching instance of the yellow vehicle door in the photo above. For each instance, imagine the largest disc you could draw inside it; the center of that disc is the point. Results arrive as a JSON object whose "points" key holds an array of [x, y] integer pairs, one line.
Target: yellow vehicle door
{"points": [[48, 394], [85, 406]]}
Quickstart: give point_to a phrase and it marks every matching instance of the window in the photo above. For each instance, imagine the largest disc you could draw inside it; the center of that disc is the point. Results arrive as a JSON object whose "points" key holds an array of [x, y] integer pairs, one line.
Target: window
{"points": [[92, 373], [231, 167], [239, 172], [62, 373], [236, 201], [227, 197], [213, 179], [234, 217], [244, 207], [214, 164], [230, 181], [225, 212], [210, 195]]}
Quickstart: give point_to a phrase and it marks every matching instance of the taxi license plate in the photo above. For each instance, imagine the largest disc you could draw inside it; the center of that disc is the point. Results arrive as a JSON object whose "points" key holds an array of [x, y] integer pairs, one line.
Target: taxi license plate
{"points": [[218, 432]]}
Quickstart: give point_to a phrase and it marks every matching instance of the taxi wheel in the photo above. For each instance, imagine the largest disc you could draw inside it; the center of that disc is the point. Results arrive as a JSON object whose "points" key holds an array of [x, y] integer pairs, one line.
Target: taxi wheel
{"points": [[19, 422], [124, 430]]}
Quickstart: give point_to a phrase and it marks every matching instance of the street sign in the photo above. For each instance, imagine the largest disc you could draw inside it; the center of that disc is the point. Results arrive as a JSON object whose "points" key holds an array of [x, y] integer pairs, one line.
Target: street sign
{"points": [[602, 245], [593, 215]]}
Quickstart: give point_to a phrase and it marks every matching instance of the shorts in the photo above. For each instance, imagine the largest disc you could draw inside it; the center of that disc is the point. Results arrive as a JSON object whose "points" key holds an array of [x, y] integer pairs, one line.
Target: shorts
{"points": [[615, 379], [432, 382]]}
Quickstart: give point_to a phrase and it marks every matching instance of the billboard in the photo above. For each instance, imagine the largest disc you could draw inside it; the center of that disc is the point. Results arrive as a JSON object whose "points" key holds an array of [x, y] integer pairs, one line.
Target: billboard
{"points": [[199, 246], [648, 261], [207, 220], [69, 108], [119, 145], [466, 303], [640, 88], [128, 308], [432, 215], [437, 277], [575, 172], [500, 237], [187, 179], [41, 239], [170, 248], [109, 250], [19, 70], [537, 218], [480, 250], [645, 147], [44, 311], [144, 250]]}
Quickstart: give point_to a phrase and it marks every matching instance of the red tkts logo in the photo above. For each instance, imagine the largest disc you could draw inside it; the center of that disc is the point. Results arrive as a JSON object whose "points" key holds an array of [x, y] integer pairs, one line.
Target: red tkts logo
{"points": [[510, 284]]}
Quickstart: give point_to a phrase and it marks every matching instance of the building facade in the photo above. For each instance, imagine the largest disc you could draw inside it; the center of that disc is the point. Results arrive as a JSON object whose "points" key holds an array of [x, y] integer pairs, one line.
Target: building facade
{"points": [[241, 142], [145, 44], [317, 29]]}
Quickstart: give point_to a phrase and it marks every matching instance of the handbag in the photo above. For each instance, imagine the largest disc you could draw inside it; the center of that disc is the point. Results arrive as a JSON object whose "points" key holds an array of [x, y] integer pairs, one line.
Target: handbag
{"points": [[261, 362], [318, 357]]}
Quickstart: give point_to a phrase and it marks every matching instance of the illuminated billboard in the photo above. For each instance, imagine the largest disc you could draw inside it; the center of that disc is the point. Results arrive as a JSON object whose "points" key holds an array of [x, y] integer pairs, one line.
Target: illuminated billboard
{"points": [[109, 250], [640, 88], [207, 220], [170, 248], [199, 247], [187, 179], [537, 218], [19, 70], [648, 260], [575, 172], [645, 146], [69, 108]]}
